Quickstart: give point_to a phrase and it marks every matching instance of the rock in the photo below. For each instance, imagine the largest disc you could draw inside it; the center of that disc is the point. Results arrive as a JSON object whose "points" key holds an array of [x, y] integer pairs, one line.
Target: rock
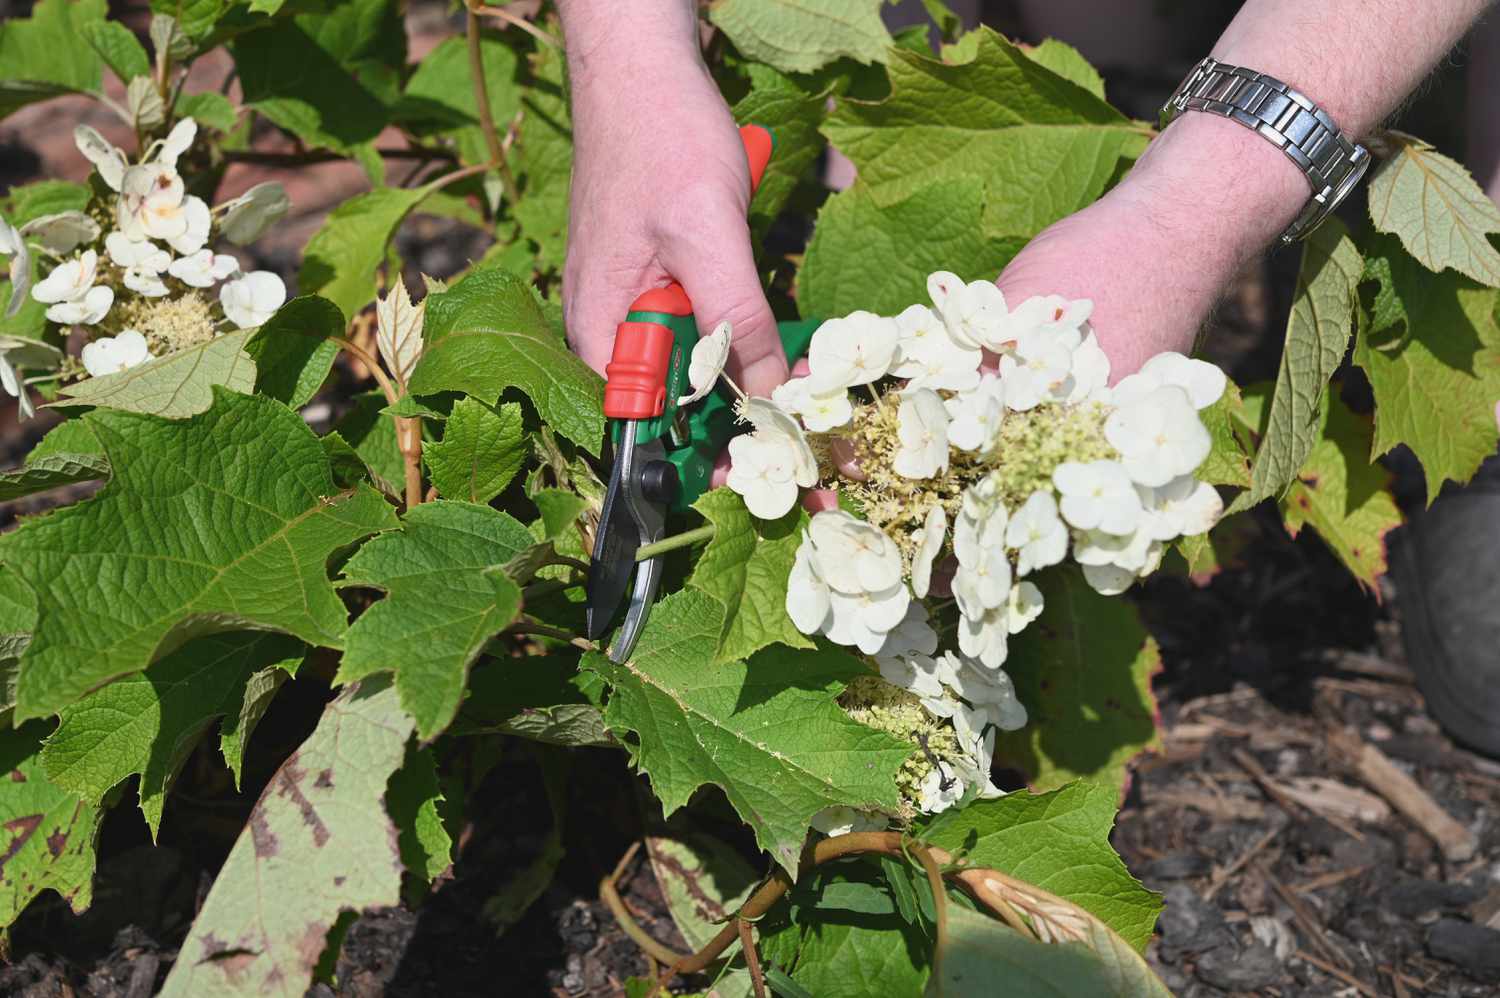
{"points": [[1415, 898], [1472, 947], [1233, 969], [1177, 866], [1189, 924]]}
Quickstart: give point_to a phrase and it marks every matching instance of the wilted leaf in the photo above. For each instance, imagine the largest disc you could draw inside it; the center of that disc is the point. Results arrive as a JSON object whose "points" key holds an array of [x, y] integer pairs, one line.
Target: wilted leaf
{"points": [[1433, 205], [767, 731], [249, 462], [143, 102], [175, 386], [398, 331], [253, 212], [319, 842], [447, 595], [147, 724], [799, 37]]}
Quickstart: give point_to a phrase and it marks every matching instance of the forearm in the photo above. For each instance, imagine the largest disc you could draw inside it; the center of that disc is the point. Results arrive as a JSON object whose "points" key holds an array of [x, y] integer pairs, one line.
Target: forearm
{"points": [[608, 38]]}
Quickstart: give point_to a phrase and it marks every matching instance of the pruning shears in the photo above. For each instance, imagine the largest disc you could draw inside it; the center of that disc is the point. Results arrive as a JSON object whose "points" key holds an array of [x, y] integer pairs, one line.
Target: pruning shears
{"points": [[664, 453]]}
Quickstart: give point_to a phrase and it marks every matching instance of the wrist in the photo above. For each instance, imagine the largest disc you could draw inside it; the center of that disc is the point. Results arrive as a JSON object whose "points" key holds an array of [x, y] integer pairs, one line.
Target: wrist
{"points": [[613, 50]]}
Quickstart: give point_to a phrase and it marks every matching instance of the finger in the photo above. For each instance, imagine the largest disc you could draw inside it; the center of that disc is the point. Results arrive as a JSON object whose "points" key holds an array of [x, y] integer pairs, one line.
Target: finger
{"points": [[720, 474], [820, 500], [718, 272], [596, 297], [802, 368]]}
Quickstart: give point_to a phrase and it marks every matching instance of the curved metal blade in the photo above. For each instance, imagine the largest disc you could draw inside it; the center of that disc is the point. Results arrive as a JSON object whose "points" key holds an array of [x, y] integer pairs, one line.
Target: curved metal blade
{"points": [[628, 521]]}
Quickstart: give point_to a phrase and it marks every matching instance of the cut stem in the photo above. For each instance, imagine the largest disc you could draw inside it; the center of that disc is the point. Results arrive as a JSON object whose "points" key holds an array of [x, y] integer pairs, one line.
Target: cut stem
{"points": [[685, 539]]}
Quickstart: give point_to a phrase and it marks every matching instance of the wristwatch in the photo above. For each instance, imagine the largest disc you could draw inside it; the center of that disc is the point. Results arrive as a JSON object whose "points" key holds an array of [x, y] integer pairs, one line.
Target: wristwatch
{"points": [[1288, 119]]}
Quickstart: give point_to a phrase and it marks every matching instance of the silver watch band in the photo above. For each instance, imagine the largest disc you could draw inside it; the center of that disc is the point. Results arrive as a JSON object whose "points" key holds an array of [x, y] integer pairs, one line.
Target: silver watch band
{"points": [[1289, 120]]}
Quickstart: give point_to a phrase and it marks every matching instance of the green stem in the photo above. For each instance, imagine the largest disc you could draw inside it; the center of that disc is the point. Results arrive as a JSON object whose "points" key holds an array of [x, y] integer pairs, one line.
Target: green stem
{"points": [[498, 161], [682, 540]]}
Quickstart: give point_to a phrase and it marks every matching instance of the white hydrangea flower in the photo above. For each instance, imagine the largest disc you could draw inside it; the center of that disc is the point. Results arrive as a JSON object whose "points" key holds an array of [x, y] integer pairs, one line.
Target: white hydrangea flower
{"points": [[1116, 560], [146, 283], [761, 472], [913, 636], [176, 143], [921, 675], [1038, 370], [1090, 371], [820, 413], [1050, 316], [142, 255], [807, 595], [1203, 382], [113, 354], [1037, 533], [841, 820], [939, 791], [982, 582], [14, 246], [1097, 495], [71, 293], [107, 159], [929, 543], [985, 636], [1184, 507], [710, 354], [196, 224], [10, 381], [846, 583], [854, 556], [974, 313], [976, 415], [203, 269], [251, 299], [865, 620], [1024, 606], [930, 358], [151, 203], [855, 350], [1108, 580], [1158, 435], [922, 428]]}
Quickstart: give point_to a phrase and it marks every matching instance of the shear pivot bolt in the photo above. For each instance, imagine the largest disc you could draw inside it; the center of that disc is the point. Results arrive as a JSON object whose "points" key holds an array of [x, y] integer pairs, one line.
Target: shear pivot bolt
{"points": [[659, 482]]}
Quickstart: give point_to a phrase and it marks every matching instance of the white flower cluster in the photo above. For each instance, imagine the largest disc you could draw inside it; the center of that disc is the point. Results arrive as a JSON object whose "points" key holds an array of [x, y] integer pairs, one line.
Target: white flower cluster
{"points": [[987, 445], [154, 250]]}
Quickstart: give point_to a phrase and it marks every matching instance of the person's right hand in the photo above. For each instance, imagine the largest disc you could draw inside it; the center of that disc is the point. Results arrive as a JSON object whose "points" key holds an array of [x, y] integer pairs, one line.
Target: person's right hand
{"points": [[660, 191]]}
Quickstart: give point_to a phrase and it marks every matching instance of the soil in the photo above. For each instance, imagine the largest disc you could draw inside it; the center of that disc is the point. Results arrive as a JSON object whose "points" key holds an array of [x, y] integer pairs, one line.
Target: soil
{"points": [[1263, 663]]}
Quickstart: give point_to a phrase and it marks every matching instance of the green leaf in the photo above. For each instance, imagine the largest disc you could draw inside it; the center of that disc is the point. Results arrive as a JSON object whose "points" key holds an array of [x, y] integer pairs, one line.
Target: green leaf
{"points": [[1228, 462], [177, 385], [330, 77], [41, 54], [147, 724], [119, 48], [703, 881], [1343, 496], [1435, 372], [372, 434], [342, 256], [542, 697], [799, 36], [1043, 147], [50, 471], [47, 835], [482, 448], [766, 731], [1083, 670], [447, 594], [318, 842], [981, 950], [793, 113], [864, 255], [413, 800], [489, 333], [1317, 335], [439, 97], [208, 108], [1433, 205], [293, 352], [131, 574], [238, 725], [1067, 62], [543, 158], [1058, 841], [560, 510], [745, 569]]}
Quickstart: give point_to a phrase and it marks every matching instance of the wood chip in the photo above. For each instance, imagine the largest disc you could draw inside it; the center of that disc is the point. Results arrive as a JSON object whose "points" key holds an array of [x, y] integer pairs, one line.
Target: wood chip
{"points": [[1486, 911], [1316, 934], [1228, 808], [1329, 879], [1280, 796], [1365, 664], [1221, 876], [1343, 975], [1376, 771], [1327, 796]]}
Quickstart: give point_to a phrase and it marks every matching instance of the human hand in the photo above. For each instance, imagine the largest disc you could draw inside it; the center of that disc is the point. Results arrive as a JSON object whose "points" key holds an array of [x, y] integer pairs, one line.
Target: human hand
{"points": [[660, 192]]}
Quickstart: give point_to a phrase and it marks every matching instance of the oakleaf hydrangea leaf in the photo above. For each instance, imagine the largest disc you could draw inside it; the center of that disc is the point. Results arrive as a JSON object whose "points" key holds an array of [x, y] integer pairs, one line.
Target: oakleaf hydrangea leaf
{"points": [[1343, 496], [541, 697], [1083, 671], [413, 800], [745, 569], [42, 55], [132, 573], [147, 724], [1433, 360], [766, 730], [47, 835], [799, 36], [489, 333], [792, 111], [483, 447], [1228, 462], [294, 350], [318, 843], [447, 594], [1317, 334], [543, 158], [49, 471], [1058, 841], [1434, 206], [177, 385], [342, 257], [1043, 146], [117, 45], [439, 97], [1067, 62]]}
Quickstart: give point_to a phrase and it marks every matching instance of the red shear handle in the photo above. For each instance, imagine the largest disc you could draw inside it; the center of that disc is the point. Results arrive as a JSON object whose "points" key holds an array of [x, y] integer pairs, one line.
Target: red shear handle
{"points": [[637, 371]]}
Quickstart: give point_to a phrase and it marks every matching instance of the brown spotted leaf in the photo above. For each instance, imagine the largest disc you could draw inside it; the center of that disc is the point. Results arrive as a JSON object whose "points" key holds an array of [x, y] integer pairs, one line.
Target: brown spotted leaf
{"points": [[318, 842]]}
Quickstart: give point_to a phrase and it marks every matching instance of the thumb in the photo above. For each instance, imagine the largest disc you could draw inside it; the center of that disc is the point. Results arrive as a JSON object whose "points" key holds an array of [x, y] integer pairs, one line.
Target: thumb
{"points": [[719, 275]]}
